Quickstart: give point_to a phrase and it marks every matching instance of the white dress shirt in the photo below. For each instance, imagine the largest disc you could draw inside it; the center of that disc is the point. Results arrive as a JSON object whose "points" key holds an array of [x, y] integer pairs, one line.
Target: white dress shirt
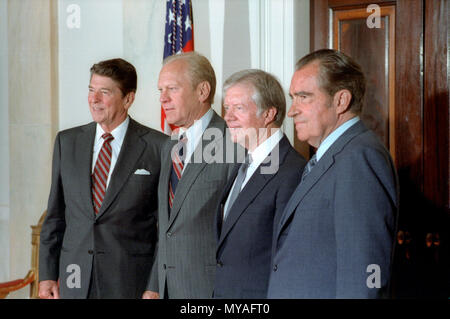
{"points": [[116, 144], [194, 134], [258, 155]]}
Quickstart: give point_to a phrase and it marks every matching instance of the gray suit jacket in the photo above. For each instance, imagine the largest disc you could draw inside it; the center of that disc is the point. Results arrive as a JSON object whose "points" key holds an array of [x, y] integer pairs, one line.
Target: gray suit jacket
{"points": [[117, 244], [244, 239], [335, 238], [186, 262]]}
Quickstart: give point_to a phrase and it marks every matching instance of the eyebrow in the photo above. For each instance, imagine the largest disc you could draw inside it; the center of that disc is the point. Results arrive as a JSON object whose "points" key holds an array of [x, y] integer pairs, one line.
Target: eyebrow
{"points": [[102, 88], [298, 93]]}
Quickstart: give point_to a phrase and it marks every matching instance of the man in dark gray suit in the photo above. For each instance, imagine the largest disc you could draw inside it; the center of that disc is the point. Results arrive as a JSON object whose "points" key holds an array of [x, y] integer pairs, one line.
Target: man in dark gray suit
{"points": [[190, 183], [255, 196], [99, 234], [336, 235]]}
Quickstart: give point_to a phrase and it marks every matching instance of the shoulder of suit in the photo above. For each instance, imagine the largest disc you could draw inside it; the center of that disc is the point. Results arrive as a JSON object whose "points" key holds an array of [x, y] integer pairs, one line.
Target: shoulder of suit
{"points": [[295, 157], [292, 157], [364, 149], [73, 131], [147, 133], [366, 139], [217, 122]]}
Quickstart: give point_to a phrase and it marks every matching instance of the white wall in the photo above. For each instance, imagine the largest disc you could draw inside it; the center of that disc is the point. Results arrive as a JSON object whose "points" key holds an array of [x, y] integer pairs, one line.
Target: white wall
{"points": [[143, 40], [4, 146], [99, 37]]}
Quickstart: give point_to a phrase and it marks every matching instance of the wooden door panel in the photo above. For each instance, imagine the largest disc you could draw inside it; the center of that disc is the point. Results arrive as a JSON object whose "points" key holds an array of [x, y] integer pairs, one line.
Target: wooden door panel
{"points": [[374, 49]]}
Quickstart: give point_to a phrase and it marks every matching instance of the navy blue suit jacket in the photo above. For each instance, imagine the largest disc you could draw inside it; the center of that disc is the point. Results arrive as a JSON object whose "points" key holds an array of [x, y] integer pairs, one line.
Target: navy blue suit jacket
{"points": [[335, 238], [245, 238]]}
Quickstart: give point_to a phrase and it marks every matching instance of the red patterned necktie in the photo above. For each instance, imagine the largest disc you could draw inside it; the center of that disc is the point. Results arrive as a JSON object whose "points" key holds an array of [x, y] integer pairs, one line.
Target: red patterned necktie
{"points": [[101, 172], [178, 153]]}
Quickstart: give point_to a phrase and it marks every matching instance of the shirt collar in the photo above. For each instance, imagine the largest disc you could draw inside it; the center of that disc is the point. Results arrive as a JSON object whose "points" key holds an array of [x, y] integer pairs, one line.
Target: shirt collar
{"points": [[195, 131], [263, 150], [330, 139], [118, 133]]}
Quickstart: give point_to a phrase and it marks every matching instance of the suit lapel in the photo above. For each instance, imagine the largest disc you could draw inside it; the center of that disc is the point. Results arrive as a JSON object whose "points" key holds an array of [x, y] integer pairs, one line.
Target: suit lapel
{"points": [[192, 170], [225, 194], [83, 160], [304, 187], [251, 190], [132, 148], [320, 169], [164, 178]]}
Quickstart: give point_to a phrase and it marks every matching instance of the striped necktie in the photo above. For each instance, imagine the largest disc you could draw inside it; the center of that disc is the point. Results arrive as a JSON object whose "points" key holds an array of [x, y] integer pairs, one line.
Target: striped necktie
{"points": [[309, 166], [178, 156], [101, 172]]}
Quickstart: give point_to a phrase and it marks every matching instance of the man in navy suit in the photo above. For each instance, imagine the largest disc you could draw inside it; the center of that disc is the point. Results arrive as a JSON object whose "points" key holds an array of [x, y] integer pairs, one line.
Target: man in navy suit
{"points": [[259, 189], [335, 237]]}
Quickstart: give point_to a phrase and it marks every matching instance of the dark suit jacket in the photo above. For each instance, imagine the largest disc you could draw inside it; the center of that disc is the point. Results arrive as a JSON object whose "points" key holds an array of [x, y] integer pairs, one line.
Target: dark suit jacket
{"points": [[186, 262], [119, 242], [340, 220], [244, 246]]}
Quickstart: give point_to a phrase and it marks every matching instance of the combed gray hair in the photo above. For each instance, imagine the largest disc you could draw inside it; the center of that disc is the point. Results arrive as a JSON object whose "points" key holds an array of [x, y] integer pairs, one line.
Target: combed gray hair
{"points": [[199, 70], [267, 91]]}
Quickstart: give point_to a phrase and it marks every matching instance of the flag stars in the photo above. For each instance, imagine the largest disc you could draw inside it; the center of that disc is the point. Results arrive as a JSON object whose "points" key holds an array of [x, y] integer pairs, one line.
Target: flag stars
{"points": [[171, 16], [187, 24]]}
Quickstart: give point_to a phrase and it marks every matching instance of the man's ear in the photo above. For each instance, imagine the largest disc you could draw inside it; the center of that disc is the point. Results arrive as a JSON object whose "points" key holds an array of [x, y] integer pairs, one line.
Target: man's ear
{"points": [[270, 115], [203, 90], [341, 101], [129, 99]]}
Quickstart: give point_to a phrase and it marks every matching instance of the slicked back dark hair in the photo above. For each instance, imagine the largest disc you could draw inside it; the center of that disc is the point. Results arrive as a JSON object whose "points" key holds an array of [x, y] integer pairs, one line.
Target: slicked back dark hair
{"points": [[337, 72]]}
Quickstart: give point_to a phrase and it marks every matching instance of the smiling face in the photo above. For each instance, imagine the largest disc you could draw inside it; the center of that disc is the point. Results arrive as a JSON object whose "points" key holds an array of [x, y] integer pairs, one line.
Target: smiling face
{"points": [[107, 104], [241, 115], [182, 103], [314, 113]]}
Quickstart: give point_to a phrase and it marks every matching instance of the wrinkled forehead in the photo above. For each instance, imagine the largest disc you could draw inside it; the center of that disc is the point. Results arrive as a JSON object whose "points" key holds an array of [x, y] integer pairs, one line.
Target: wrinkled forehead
{"points": [[305, 77], [176, 70]]}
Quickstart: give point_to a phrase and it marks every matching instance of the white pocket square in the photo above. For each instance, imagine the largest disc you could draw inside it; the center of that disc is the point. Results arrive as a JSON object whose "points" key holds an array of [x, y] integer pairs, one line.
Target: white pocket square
{"points": [[142, 171]]}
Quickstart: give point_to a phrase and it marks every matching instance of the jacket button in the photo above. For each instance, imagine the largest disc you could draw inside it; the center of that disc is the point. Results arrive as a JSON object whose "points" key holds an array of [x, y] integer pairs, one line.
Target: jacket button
{"points": [[275, 268], [219, 263], [164, 266], [169, 234], [90, 252]]}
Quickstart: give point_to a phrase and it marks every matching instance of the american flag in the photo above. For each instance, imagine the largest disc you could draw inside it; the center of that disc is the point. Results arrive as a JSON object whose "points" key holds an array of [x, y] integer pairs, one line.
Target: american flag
{"points": [[179, 37]]}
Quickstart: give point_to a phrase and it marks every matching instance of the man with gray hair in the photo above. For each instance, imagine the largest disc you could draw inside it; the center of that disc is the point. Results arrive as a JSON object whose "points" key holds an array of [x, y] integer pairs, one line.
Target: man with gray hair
{"points": [[190, 185], [255, 196]]}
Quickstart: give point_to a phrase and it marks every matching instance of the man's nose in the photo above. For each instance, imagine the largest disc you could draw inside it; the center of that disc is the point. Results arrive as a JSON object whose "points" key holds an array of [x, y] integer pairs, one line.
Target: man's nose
{"points": [[94, 96], [292, 111], [229, 115], [163, 96]]}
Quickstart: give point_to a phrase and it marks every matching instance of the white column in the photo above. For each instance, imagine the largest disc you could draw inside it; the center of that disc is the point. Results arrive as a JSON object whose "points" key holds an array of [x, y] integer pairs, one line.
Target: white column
{"points": [[275, 41], [4, 145], [31, 100]]}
